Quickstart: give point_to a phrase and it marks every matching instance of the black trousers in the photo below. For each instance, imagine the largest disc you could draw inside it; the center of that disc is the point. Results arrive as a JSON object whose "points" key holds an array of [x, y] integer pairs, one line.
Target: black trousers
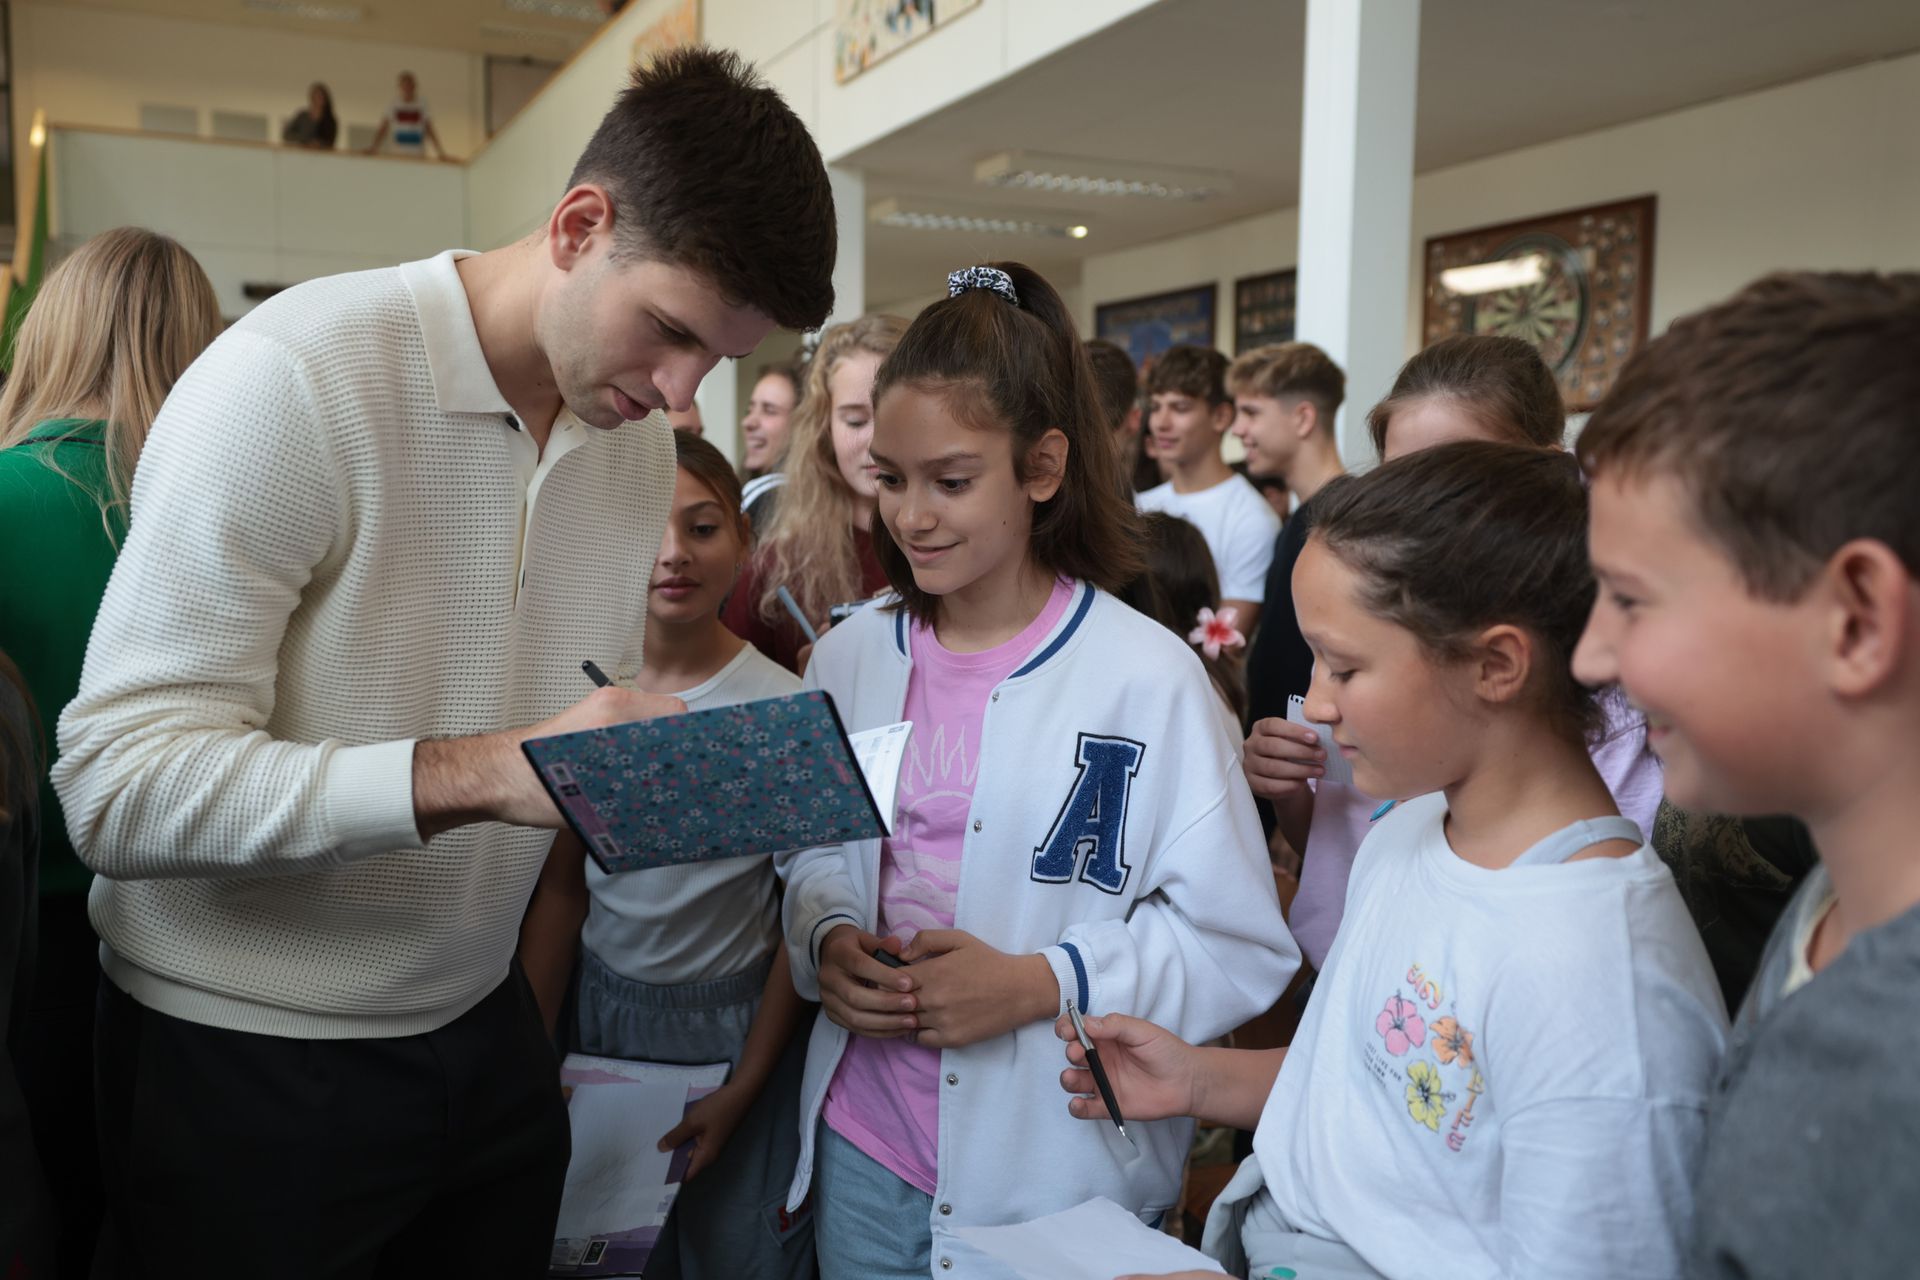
{"points": [[56, 1074], [227, 1154]]}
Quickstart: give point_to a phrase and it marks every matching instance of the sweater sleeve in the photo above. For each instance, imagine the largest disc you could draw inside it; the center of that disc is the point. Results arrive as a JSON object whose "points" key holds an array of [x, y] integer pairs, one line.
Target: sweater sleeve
{"points": [[820, 891], [166, 766], [1205, 947]]}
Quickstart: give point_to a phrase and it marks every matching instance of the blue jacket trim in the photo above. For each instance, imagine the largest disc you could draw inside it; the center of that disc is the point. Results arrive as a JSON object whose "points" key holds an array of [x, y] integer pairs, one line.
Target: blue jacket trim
{"points": [[1079, 974], [1059, 642], [813, 942], [900, 632]]}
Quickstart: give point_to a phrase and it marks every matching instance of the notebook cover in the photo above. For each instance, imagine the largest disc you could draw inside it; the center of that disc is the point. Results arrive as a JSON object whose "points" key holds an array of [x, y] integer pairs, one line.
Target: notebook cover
{"points": [[754, 778]]}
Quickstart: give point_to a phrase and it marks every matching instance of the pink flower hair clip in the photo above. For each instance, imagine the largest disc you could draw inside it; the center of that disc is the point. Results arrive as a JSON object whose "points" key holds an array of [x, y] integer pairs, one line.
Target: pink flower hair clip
{"points": [[1217, 631]]}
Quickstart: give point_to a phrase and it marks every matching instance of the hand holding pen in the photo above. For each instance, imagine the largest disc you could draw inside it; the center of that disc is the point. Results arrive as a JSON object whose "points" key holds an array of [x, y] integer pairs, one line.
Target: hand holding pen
{"points": [[1150, 1071]]}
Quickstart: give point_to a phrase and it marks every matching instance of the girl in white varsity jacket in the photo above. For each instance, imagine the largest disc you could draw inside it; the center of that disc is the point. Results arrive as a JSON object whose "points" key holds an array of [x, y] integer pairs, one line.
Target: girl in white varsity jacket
{"points": [[1072, 825]]}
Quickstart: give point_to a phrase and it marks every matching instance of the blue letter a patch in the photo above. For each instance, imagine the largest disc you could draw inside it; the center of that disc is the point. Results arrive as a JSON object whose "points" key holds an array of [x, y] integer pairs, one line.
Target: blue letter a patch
{"points": [[1090, 833]]}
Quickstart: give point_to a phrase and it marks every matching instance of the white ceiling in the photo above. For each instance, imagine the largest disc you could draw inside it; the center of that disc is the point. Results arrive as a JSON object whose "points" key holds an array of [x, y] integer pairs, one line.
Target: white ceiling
{"points": [[545, 29], [1217, 84]]}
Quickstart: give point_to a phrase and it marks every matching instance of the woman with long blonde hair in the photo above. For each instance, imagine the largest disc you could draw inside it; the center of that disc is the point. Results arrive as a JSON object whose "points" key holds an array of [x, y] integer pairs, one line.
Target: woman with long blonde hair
{"points": [[819, 545], [113, 327]]}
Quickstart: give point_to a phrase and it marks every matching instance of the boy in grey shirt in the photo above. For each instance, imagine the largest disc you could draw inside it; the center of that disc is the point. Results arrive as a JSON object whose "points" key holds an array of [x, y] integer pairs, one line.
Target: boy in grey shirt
{"points": [[1757, 545]]}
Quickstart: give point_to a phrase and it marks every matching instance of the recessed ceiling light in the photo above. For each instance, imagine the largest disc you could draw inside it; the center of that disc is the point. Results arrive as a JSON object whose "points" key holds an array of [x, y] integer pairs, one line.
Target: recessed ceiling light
{"points": [[570, 10], [305, 9], [1490, 277], [891, 213], [1079, 176], [546, 35]]}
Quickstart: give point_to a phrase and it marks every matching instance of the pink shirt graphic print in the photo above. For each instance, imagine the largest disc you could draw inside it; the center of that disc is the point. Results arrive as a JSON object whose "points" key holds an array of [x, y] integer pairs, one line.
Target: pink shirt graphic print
{"points": [[885, 1095]]}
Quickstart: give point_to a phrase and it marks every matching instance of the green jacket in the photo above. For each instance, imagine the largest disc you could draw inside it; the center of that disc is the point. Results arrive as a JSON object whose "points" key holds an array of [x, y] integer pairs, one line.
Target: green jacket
{"points": [[55, 557]]}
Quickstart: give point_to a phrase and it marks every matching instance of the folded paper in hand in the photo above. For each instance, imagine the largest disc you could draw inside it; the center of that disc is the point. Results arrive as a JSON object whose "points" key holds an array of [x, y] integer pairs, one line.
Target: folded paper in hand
{"points": [[750, 779], [1339, 768], [619, 1184]]}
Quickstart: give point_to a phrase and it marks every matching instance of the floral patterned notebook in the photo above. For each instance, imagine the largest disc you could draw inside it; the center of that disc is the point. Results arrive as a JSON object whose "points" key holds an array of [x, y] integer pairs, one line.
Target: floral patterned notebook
{"points": [[754, 778]]}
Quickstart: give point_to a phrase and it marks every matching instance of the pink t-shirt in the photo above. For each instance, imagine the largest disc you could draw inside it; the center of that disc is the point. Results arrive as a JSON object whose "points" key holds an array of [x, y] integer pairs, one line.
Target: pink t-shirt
{"points": [[885, 1096]]}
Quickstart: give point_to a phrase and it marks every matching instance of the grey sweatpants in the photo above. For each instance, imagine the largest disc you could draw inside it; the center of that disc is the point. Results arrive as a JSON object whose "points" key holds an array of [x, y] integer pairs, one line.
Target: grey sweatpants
{"points": [[1247, 1234], [731, 1221]]}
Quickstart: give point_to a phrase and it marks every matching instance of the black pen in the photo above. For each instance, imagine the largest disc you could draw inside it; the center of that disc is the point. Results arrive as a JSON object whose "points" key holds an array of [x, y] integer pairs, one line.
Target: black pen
{"points": [[594, 673], [1100, 1080]]}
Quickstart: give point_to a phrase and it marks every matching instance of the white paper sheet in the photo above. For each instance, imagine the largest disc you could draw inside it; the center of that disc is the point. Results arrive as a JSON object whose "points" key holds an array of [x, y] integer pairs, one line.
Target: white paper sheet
{"points": [[617, 1177], [1097, 1240], [879, 752], [619, 1111], [1339, 768]]}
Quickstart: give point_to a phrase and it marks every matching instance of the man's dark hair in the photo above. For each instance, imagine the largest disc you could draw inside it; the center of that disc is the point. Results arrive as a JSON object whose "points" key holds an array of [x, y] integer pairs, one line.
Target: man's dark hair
{"points": [[1196, 372], [709, 169], [1115, 380]]}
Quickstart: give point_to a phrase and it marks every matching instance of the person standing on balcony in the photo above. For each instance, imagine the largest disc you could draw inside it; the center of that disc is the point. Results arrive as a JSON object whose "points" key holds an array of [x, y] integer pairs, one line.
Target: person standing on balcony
{"points": [[408, 127], [378, 527], [315, 128]]}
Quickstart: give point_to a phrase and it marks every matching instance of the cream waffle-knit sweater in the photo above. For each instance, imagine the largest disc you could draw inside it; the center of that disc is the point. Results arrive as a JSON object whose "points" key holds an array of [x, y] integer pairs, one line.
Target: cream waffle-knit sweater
{"points": [[341, 542]]}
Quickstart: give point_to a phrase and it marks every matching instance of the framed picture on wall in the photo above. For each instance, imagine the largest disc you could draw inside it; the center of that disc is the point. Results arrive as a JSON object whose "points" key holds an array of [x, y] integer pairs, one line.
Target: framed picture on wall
{"points": [[1144, 327], [1577, 284], [676, 28], [867, 31], [1263, 309]]}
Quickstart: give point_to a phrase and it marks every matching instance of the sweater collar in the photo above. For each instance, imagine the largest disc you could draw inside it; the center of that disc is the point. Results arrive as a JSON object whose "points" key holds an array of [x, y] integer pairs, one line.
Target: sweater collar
{"points": [[1063, 631], [462, 382]]}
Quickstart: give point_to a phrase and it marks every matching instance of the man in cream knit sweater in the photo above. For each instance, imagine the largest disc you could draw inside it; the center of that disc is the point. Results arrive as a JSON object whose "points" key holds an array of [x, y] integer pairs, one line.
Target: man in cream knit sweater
{"points": [[376, 529]]}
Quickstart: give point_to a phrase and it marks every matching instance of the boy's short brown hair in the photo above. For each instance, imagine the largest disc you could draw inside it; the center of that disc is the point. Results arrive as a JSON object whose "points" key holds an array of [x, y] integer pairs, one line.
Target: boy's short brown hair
{"points": [[709, 169], [1115, 379], [1199, 372], [1791, 416], [1284, 370]]}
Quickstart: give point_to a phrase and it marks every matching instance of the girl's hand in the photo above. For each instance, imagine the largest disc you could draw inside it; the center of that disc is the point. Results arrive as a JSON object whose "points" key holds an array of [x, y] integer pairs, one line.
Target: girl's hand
{"points": [[969, 991], [861, 994], [1280, 757], [1152, 1070], [709, 1123]]}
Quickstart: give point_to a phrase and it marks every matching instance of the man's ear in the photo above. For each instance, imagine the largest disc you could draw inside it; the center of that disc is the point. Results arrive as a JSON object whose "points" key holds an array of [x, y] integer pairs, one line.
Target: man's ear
{"points": [[1046, 465], [583, 213], [1503, 662], [1869, 601]]}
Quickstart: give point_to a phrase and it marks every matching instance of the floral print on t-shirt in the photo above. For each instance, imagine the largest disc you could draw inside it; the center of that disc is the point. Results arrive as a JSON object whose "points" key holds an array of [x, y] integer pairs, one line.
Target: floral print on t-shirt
{"points": [[1440, 1091]]}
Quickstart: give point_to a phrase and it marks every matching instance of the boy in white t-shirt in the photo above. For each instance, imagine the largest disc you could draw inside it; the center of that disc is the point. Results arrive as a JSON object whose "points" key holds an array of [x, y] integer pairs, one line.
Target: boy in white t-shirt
{"points": [[408, 126], [1190, 414]]}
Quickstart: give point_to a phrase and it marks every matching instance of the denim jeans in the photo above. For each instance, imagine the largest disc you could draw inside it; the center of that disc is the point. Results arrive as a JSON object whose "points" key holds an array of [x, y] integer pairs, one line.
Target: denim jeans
{"points": [[869, 1223]]}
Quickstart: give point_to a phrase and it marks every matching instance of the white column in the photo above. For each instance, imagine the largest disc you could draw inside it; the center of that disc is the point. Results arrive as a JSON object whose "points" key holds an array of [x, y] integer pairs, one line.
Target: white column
{"points": [[850, 264], [1356, 196], [718, 397]]}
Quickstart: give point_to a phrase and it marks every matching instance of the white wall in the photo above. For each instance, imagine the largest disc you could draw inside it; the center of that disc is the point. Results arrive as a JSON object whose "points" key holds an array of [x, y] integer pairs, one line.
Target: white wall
{"points": [[96, 66], [254, 213], [792, 43], [1808, 175]]}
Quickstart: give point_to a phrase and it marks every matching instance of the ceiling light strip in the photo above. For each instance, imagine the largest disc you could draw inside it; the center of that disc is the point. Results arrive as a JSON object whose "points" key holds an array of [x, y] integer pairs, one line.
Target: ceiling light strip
{"points": [[306, 9], [568, 10], [913, 220]]}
